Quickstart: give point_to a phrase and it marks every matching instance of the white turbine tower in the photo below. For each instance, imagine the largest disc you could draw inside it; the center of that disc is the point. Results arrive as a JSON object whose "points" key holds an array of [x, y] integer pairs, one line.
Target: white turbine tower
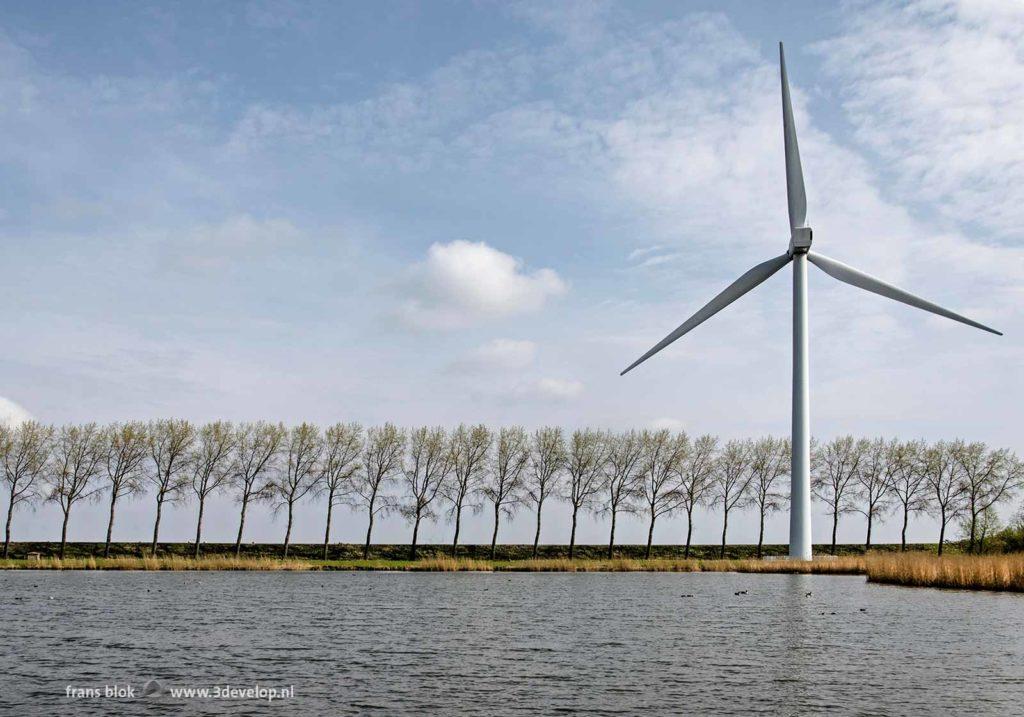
{"points": [[799, 253]]}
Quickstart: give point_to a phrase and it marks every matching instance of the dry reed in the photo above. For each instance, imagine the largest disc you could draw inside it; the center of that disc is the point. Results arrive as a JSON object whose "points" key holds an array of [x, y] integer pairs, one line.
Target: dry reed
{"points": [[450, 565], [964, 572], [172, 562], [968, 572]]}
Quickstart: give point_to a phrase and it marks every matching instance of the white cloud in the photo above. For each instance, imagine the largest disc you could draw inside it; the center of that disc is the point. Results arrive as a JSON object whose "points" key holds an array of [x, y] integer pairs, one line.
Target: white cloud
{"points": [[658, 260], [672, 424], [578, 21], [936, 87], [462, 283], [278, 15], [498, 355], [211, 247], [558, 389], [644, 251], [12, 414]]}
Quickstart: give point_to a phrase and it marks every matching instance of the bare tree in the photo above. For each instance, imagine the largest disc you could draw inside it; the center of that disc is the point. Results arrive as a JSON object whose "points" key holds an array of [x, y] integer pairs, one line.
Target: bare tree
{"points": [[425, 472], [125, 448], [834, 467], [301, 474], [874, 482], [382, 458], [469, 447], [733, 477], [946, 485], [503, 483], [169, 443], [25, 450], [909, 480], [210, 462], [696, 478], [77, 455], [990, 476], [547, 460], [584, 468], [343, 445], [769, 461], [659, 485], [622, 473], [256, 447]]}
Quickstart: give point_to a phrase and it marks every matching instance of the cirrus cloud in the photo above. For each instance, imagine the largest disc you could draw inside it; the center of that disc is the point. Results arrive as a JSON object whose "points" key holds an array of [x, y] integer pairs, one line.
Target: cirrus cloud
{"points": [[934, 88]]}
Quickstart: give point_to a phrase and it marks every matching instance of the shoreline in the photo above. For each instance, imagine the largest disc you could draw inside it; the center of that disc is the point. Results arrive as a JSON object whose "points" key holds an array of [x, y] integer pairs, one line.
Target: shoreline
{"points": [[1003, 573]]}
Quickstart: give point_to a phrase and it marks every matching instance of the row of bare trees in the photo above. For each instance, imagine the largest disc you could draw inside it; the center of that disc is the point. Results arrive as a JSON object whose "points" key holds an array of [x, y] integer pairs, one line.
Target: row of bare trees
{"points": [[431, 472], [948, 479]]}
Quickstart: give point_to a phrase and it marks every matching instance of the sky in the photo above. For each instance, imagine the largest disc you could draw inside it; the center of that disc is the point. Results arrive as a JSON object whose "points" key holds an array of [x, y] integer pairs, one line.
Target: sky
{"points": [[445, 212]]}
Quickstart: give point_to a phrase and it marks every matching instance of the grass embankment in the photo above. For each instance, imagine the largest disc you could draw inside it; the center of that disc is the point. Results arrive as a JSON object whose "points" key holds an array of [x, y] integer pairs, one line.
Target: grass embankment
{"points": [[846, 566], [982, 572], [400, 552]]}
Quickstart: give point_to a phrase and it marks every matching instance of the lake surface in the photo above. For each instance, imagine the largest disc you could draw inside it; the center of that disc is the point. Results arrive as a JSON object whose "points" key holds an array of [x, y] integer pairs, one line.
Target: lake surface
{"points": [[417, 643]]}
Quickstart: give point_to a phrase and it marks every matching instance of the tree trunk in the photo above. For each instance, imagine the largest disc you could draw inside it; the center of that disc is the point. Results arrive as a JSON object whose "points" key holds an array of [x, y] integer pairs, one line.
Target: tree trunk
{"points": [[327, 530], [64, 532], [536, 536], [572, 533], [725, 527], [494, 536], [288, 530], [110, 523], [867, 539], [369, 534], [458, 523], [903, 533], [241, 526], [611, 538], [199, 525], [974, 522], [650, 536], [942, 529], [760, 537], [156, 523], [415, 534], [835, 527], [10, 515], [689, 532]]}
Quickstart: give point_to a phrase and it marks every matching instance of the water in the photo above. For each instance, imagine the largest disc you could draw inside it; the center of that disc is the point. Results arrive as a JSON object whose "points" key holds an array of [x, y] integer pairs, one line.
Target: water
{"points": [[507, 643]]}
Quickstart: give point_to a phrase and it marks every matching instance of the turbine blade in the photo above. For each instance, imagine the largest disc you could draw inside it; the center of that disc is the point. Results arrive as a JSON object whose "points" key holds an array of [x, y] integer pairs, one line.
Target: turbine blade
{"points": [[849, 275], [732, 292], [794, 173]]}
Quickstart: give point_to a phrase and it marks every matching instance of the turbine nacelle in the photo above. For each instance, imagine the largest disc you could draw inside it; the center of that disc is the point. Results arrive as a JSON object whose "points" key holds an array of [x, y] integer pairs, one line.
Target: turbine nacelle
{"points": [[800, 240]]}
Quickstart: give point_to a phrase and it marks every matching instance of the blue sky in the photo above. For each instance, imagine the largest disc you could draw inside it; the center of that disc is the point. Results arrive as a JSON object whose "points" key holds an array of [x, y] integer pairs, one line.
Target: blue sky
{"points": [[444, 212]]}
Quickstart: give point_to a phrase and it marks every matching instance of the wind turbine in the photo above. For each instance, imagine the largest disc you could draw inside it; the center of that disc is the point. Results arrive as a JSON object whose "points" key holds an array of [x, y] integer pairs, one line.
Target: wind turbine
{"points": [[799, 253]]}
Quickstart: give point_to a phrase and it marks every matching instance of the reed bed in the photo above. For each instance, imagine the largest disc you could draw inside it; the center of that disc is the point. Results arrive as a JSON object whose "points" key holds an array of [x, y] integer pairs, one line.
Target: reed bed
{"points": [[917, 569], [450, 565], [841, 566], [172, 562], [963, 572]]}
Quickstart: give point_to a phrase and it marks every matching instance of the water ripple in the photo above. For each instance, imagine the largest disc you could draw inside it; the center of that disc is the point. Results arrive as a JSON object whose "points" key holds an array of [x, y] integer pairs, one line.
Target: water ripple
{"points": [[509, 644]]}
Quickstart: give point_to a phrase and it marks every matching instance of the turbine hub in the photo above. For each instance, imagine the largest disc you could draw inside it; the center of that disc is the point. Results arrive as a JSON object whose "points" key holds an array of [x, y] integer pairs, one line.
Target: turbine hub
{"points": [[800, 240]]}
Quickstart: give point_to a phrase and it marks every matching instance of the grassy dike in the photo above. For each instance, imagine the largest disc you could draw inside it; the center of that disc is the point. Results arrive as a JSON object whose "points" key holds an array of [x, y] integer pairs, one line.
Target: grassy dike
{"points": [[400, 551], [916, 569]]}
